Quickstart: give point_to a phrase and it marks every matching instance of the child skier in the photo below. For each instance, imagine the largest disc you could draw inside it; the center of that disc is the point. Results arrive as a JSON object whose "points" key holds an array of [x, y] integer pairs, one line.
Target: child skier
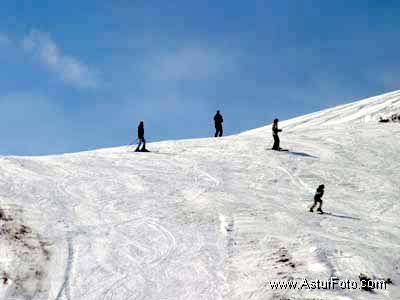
{"points": [[318, 199]]}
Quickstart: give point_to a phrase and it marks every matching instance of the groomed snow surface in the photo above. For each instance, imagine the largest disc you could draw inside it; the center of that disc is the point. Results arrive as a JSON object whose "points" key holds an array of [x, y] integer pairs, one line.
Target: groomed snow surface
{"points": [[209, 218]]}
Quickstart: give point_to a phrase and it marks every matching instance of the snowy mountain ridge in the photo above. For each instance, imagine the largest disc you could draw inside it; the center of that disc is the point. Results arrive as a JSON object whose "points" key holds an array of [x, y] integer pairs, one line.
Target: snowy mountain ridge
{"points": [[209, 218], [365, 111]]}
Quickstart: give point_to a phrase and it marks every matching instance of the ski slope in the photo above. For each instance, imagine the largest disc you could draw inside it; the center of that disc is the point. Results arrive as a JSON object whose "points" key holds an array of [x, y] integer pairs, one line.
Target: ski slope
{"points": [[209, 218]]}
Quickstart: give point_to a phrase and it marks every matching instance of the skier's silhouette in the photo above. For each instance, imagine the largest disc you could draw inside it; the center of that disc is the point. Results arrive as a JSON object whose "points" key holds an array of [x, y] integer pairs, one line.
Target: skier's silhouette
{"points": [[218, 120], [275, 131], [141, 138], [318, 199]]}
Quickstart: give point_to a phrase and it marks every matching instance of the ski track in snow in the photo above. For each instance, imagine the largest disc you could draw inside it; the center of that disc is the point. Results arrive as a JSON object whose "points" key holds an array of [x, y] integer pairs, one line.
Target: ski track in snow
{"points": [[65, 286], [219, 218]]}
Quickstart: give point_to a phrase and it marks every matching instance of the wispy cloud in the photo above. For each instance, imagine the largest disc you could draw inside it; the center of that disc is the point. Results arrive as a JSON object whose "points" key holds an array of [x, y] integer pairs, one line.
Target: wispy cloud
{"points": [[190, 63], [66, 67]]}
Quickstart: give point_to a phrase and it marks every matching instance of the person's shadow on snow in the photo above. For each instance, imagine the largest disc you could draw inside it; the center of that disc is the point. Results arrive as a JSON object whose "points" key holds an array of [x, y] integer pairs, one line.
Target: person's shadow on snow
{"points": [[342, 216], [302, 154]]}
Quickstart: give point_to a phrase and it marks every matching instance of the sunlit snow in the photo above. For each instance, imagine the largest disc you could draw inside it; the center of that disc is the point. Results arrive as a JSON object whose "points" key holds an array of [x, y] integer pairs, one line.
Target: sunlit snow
{"points": [[209, 218]]}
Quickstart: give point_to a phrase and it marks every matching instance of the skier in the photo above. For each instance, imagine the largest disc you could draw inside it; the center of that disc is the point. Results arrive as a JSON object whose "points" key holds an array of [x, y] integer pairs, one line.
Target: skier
{"points": [[318, 199], [141, 138], [218, 120], [275, 131]]}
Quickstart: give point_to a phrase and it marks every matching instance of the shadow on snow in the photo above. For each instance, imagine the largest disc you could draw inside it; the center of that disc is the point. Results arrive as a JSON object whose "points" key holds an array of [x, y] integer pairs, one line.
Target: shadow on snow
{"points": [[302, 154], [342, 216]]}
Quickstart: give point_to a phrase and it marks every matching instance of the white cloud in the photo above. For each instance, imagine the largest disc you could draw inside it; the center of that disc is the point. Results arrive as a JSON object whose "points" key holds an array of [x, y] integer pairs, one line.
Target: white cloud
{"points": [[190, 63], [66, 67]]}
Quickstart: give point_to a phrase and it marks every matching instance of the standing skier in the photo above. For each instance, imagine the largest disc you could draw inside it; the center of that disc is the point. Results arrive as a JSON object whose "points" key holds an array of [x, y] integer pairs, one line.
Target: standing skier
{"points": [[318, 199], [218, 120], [275, 131], [141, 138]]}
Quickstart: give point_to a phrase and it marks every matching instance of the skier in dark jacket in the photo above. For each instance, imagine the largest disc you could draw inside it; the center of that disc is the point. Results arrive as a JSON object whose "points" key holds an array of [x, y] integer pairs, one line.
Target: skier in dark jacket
{"points": [[218, 120], [275, 131], [141, 138], [318, 199]]}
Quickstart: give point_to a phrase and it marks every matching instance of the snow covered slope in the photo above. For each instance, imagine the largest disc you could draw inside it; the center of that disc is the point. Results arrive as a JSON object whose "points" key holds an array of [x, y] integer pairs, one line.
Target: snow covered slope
{"points": [[209, 218]]}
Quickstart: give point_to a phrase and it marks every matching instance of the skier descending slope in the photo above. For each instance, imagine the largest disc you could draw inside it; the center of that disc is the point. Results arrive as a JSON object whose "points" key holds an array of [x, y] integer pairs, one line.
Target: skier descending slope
{"points": [[318, 199], [141, 138], [218, 120], [275, 131]]}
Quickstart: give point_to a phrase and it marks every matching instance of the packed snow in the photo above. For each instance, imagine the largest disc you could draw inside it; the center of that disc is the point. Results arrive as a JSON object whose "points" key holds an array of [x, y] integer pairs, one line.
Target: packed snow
{"points": [[212, 218]]}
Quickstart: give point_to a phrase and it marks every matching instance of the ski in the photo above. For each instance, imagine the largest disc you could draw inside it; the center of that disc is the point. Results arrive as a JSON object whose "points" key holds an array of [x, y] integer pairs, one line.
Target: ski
{"points": [[283, 150]]}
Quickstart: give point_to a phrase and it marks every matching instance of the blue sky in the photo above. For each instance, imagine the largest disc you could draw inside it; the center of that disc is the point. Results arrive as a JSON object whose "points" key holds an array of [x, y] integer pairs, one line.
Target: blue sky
{"points": [[78, 75]]}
